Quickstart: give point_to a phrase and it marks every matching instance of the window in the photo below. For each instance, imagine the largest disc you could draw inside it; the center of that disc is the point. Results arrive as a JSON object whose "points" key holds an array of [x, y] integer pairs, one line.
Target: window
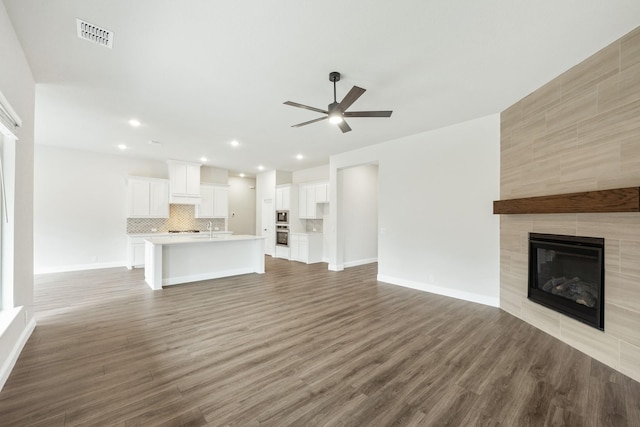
{"points": [[9, 124]]}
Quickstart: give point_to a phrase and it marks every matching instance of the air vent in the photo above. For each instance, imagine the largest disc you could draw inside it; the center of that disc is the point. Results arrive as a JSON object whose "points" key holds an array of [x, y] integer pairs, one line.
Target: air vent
{"points": [[94, 34]]}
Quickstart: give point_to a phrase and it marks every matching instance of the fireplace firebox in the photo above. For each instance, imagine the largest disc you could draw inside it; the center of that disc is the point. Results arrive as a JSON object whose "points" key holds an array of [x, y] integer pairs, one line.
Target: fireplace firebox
{"points": [[566, 274]]}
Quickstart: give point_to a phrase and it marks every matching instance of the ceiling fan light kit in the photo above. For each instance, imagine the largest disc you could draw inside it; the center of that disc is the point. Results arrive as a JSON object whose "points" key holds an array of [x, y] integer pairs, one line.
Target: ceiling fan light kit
{"points": [[337, 111]]}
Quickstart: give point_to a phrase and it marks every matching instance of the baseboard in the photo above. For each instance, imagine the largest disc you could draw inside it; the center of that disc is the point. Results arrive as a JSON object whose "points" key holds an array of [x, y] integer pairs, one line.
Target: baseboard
{"points": [[335, 267], [79, 267], [447, 292], [355, 263], [8, 365]]}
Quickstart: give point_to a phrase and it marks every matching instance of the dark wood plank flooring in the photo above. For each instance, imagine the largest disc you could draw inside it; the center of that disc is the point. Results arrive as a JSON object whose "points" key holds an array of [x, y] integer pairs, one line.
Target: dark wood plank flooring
{"points": [[298, 346]]}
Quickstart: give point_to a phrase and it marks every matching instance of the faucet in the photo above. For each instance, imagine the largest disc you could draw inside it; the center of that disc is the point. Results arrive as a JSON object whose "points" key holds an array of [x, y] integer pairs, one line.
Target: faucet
{"points": [[210, 228]]}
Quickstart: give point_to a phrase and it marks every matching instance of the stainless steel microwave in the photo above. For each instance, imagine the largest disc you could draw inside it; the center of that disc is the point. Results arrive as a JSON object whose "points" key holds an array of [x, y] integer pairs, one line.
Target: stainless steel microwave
{"points": [[282, 217]]}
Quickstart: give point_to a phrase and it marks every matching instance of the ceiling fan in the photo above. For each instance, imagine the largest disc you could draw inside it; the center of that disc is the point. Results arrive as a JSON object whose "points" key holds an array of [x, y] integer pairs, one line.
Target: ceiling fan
{"points": [[336, 112]]}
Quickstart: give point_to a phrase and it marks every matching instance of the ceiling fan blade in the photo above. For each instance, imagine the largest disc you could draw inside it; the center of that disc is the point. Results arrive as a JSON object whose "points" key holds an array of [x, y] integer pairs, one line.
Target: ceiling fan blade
{"points": [[344, 127], [309, 122], [306, 107], [351, 97], [368, 113]]}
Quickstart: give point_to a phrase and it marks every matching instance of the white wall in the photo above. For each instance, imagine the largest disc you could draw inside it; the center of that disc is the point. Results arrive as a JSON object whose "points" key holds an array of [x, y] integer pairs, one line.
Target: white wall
{"points": [[436, 228], [242, 205], [18, 87], [360, 214], [80, 207], [213, 175], [319, 173]]}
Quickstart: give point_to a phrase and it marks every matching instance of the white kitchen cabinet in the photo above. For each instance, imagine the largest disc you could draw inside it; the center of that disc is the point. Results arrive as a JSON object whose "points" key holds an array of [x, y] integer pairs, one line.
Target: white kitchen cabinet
{"points": [[283, 198], [135, 252], [221, 202], [214, 202], [184, 182], [322, 193], [147, 198], [302, 202], [308, 201], [305, 247]]}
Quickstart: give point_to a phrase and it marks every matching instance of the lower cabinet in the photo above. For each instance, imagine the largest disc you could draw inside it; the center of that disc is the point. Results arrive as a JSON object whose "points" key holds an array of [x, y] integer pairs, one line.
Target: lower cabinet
{"points": [[305, 247], [135, 251]]}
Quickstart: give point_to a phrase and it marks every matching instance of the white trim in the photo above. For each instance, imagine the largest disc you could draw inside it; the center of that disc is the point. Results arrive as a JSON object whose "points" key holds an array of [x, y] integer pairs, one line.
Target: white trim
{"points": [[79, 267], [4, 104], [357, 262], [10, 362], [453, 293], [336, 267], [207, 276]]}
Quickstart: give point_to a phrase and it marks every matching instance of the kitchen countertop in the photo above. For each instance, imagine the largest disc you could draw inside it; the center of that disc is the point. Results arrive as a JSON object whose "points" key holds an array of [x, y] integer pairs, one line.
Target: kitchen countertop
{"points": [[200, 238], [175, 234]]}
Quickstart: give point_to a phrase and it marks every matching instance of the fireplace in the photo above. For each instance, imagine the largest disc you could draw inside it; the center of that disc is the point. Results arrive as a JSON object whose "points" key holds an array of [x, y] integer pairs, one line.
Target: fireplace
{"points": [[566, 274]]}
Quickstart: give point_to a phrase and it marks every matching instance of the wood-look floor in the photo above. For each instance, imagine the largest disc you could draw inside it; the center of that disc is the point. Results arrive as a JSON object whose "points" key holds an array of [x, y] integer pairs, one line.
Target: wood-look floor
{"points": [[299, 346]]}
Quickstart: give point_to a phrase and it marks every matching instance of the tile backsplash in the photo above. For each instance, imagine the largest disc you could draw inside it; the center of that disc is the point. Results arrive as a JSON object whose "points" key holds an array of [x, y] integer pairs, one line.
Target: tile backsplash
{"points": [[181, 217], [314, 223]]}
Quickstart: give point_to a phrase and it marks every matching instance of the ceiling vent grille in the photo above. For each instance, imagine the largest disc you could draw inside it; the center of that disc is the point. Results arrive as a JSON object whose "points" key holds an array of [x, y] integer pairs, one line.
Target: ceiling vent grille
{"points": [[94, 34]]}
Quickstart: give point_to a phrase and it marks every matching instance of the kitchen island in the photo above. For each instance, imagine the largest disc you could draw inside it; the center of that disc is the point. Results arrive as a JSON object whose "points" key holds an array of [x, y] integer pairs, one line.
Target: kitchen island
{"points": [[191, 258]]}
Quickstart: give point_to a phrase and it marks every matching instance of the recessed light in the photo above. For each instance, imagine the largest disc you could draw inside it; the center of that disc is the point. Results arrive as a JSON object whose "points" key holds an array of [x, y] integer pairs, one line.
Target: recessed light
{"points": [[241, 175], [122, 146], [234, 143], [135, 123], [299, 156], [261, 167], [203, 159]]}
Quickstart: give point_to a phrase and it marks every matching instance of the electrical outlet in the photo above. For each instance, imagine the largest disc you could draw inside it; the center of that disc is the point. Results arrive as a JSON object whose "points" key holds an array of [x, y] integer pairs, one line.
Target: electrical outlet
{"points": [[94, 258]]}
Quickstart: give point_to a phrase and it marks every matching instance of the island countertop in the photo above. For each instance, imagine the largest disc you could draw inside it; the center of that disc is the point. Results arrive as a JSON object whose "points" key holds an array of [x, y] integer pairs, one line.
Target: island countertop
{"points": [[201, 238]]}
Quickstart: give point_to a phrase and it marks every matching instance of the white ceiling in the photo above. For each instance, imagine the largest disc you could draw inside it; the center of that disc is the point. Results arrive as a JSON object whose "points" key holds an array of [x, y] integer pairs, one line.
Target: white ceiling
{"points": [[201, 73]]}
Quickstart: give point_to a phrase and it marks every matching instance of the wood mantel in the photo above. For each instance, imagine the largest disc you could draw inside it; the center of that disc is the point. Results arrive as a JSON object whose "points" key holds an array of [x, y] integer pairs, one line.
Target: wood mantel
{"points": [[601, 201]]}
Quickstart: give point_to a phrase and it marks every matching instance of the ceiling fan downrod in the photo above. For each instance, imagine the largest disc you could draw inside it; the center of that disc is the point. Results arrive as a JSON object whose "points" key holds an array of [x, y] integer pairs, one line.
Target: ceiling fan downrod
{"points": [[334, 77]]}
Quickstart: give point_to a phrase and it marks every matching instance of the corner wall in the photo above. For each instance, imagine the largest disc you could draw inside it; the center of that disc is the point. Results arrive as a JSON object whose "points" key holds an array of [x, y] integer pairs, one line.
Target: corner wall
{"points": [[579, 132], [437, 232]]}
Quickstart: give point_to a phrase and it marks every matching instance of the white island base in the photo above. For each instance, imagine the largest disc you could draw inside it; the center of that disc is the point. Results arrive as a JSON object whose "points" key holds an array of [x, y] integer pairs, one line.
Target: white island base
{"points": [[175, 260]]}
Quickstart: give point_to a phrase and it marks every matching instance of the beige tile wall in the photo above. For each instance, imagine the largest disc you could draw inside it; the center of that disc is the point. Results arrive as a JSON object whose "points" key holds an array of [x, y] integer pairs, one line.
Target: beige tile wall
{"points": [[579, 132]]}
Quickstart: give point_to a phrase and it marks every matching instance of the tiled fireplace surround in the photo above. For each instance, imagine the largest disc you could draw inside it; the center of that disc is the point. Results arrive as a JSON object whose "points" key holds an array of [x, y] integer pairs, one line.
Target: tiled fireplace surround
{"points": [[579, 132]]}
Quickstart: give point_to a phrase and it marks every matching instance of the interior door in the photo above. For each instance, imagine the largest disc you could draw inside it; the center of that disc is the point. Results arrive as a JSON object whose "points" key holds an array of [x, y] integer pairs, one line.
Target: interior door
{"points": [[268, 224]]}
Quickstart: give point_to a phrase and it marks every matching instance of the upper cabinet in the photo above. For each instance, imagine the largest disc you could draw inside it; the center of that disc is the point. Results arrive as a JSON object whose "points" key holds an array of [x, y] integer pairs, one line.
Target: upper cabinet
{"points": [[309, 197], [283, 198], [322, 192], [184, 182], [147, 198], [214, 201]]}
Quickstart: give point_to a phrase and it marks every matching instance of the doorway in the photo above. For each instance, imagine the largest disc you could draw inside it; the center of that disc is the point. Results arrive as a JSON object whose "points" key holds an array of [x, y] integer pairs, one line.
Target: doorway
{"points": [[358, 215]]}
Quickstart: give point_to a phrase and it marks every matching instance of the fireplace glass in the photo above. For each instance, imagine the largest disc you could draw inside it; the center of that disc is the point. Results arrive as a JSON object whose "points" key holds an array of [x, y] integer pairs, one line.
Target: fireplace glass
{"points": [[566, 274]]}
